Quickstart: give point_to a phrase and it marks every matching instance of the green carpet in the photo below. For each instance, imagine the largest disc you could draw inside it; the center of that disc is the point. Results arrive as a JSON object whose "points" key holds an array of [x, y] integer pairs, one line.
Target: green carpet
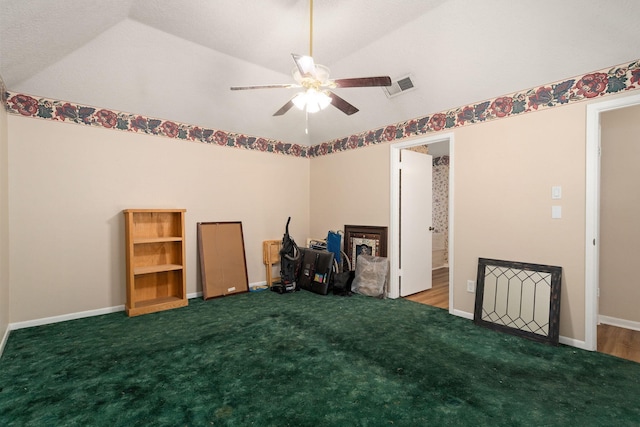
{"points": [[302, 359]]}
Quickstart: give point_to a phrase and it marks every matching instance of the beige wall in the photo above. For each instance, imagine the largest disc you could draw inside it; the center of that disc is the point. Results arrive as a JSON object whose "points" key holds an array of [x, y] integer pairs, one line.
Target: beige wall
{"points": [[4, 222], [350, 188], [504, 171], [68, 185], [619, 214]]}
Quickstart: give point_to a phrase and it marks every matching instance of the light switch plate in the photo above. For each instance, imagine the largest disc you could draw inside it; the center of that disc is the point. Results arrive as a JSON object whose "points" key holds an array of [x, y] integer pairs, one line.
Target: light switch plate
{"points": [[471, 285], [556, 212], [556, 192]]}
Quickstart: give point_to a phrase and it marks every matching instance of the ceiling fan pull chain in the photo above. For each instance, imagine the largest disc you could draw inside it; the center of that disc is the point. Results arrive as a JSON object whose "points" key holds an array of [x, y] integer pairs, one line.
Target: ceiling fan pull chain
{"points": [[306, 122]]}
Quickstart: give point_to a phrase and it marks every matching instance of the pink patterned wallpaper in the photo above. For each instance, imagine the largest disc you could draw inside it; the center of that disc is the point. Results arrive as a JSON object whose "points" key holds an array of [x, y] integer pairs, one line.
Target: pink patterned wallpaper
{"points": [[440, 203], [617, 79]]}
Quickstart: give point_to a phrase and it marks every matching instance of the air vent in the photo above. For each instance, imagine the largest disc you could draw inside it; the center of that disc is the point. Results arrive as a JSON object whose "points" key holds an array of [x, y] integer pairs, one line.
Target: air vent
{"points": [[400, 85]]}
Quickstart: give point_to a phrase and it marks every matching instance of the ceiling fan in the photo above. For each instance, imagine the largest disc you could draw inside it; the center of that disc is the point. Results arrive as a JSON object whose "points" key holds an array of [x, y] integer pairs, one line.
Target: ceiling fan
{"points": [[314, 80]]}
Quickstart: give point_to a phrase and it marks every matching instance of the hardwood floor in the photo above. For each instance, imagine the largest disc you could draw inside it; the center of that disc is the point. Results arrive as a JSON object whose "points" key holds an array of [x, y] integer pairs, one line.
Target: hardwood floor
{"points": [[619, 342], [438, 295]]}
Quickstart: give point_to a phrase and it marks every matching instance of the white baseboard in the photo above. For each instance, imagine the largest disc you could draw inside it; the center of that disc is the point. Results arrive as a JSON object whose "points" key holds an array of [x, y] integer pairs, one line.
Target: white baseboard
{"points": [[5, 337], [73, 316], [65, 317], [80, 315], [573, 343], [89, 313], [563, 340], [461, 313], [621, 323], [257, 284]]}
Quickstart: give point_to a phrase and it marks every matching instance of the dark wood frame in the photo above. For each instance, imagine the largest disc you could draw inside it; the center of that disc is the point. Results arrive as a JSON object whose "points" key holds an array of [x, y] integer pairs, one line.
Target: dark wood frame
{"points": [[365, 232], [553, 331]]}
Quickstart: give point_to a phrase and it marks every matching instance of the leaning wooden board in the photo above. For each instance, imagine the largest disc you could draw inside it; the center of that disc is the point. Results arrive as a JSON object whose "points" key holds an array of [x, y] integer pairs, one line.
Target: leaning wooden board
{"points": [[223, 265]]}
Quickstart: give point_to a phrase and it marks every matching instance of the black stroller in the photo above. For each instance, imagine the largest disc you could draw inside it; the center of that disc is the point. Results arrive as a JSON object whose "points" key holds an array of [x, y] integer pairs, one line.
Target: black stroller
{"points": [[289, 262]]}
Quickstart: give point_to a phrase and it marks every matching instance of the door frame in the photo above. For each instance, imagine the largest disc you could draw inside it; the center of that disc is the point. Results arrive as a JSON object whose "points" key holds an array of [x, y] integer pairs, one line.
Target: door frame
{"points": [[592, 214], [394, 226]]}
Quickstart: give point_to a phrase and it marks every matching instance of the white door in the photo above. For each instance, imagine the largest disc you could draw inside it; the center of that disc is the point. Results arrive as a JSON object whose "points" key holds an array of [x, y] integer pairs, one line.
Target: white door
{"points": [[415, 260]]}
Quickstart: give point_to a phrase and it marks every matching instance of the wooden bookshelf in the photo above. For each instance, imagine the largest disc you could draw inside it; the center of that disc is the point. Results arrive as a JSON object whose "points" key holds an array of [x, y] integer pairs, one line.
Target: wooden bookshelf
{"points": [[155, 254]]}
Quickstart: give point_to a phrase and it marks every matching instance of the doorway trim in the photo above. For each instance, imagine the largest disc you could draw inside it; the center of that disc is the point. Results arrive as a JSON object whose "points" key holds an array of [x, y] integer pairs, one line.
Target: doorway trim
{"points": [[592, 214], [394, 226]]}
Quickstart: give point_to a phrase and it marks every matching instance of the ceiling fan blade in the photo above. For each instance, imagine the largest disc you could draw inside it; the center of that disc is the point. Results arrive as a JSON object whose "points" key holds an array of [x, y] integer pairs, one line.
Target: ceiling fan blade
{"points": [[286, 107], [276, 86], [363, 82], [342, 105], [305, 65]]}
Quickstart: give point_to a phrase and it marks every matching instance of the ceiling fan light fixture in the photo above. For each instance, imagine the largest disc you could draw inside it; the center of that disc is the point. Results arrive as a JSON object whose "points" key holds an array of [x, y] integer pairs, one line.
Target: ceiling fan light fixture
{"points": [[300, 100], [323, 99], [306, 62], [314, 79], [311, 100], [313, 107], [321, 75]]}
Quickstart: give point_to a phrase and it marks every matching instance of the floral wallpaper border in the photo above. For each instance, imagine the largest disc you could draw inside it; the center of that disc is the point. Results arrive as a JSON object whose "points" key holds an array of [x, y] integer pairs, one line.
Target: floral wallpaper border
{"points": [[50, 109], [3, 95], [609, 81], [600, 83]]}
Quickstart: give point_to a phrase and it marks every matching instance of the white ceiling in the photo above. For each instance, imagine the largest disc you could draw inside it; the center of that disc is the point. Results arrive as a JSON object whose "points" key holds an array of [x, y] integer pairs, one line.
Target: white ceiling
{"points": [[177, 59]]}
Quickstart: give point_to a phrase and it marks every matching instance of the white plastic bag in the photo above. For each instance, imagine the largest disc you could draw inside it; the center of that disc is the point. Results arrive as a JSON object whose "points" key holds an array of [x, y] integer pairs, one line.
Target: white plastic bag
{"points": [[371, 276]]}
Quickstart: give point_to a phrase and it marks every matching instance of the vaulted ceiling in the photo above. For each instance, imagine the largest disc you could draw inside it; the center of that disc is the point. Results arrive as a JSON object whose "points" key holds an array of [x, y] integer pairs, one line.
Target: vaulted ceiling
{"points": [[177, 59]]}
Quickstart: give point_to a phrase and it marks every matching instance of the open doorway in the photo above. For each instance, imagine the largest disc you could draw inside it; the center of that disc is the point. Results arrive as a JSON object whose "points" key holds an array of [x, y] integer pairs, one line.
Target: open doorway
{"points": [[618, 331], [438, 295], [440, 148], [605, 295]]}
